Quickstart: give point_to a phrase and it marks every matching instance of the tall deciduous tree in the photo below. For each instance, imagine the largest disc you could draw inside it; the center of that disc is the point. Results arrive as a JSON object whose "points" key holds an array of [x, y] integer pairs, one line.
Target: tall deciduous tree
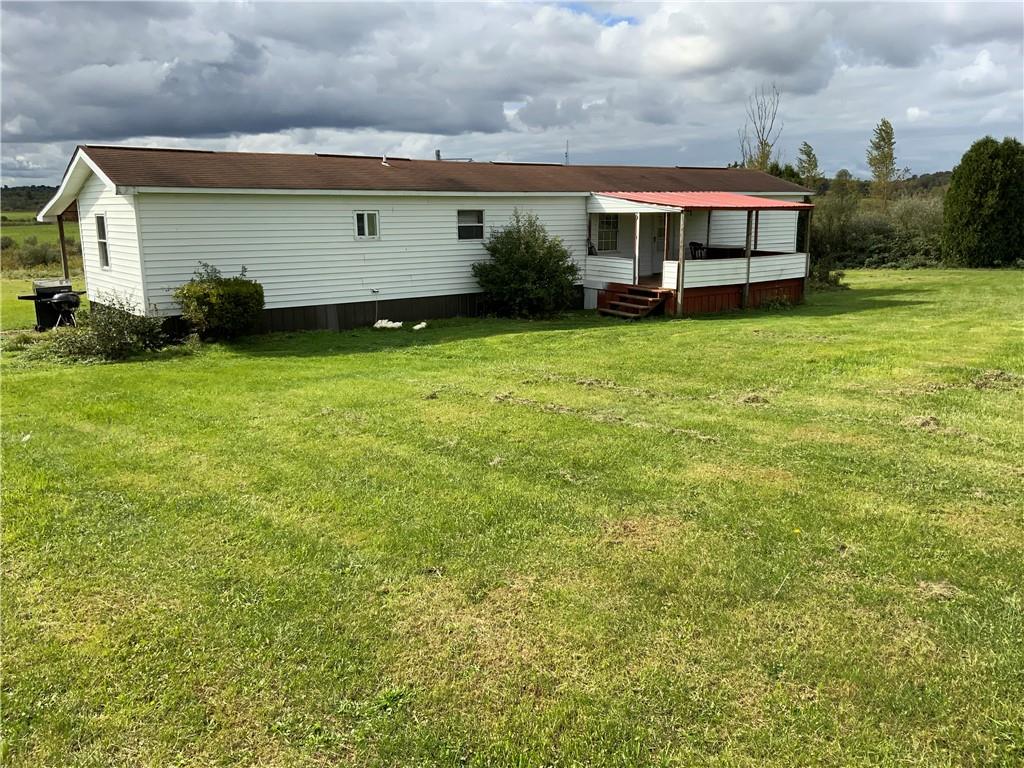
{"points": [[983, 213], [882, 161], [762, 129], [807, 166]]}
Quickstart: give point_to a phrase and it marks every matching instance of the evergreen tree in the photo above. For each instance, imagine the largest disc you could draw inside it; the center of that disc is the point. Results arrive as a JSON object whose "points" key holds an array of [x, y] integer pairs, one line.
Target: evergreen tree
{"points": [[807, 166], [983, 213], [882, 161]]}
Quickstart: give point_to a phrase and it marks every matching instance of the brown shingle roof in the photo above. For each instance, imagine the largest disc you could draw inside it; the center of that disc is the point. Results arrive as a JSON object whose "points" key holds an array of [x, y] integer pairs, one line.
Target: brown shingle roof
{"points": [[143, 167]]}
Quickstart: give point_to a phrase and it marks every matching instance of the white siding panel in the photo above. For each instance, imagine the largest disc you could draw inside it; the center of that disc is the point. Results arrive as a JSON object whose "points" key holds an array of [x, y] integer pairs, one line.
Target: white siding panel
{"points": [[728, 229], [781, 267], [669, 274], [603, 269], [124, 275], [304, 251], [704, 272], [776, 231]]}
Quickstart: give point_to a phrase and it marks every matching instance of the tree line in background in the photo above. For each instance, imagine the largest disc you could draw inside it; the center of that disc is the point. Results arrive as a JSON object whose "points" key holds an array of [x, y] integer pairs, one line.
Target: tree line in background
{"points": [[27, 198], [972, 216]]}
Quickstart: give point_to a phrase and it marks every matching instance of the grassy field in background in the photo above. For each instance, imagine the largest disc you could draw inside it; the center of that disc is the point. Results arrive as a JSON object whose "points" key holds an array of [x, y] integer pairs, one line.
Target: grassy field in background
{"points": [[761, 539], [22, 224]]}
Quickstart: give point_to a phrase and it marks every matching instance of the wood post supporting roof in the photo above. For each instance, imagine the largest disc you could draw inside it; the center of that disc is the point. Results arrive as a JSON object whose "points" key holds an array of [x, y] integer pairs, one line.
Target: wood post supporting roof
{"points": [[63, 247], [807, 245], [746, 253], [681, 268], [636, 248]]}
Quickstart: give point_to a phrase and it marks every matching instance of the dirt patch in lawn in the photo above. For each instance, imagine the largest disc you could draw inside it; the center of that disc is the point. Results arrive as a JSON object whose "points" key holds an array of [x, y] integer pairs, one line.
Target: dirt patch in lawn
{"points": [[603, 417], [937, 590], [647, 533], [997, 379]]}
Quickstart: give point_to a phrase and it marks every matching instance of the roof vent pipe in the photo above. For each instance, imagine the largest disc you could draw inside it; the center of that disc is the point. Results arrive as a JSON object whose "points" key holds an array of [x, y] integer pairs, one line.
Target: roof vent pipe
{"points": [[384, 160]]}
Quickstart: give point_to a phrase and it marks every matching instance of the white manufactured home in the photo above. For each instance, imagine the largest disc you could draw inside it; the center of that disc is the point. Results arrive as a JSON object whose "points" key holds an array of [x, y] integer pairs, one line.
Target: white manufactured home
{"points": [[336, 240]]}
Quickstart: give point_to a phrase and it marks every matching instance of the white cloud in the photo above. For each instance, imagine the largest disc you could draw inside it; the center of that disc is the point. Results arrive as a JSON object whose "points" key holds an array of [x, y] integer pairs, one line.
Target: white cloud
{"points": [[916, 114]]}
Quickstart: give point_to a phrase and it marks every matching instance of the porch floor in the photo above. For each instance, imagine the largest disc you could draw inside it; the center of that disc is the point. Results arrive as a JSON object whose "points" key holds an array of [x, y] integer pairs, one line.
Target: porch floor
{"points": [[650, 281]]}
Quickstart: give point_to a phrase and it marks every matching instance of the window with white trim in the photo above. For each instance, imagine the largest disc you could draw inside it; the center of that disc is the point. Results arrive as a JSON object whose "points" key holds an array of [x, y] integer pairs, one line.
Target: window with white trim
{"points": [[101, 240], [367, 225], [608, 232], [471, 225]]}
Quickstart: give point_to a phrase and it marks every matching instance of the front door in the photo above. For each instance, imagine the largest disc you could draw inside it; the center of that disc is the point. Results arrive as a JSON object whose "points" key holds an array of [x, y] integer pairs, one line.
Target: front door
{"points": [[658, 243], [652, 243]]}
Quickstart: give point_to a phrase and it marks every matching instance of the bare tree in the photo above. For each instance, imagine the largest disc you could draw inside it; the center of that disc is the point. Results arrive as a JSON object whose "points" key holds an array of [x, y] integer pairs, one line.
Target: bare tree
{"points": [[762, 129]]}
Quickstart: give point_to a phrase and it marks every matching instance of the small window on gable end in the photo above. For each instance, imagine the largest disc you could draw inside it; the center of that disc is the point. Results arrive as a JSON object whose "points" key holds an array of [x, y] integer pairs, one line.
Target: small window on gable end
{"points": [[367, 225], [101, 240], [471, 225], [608, 232]]}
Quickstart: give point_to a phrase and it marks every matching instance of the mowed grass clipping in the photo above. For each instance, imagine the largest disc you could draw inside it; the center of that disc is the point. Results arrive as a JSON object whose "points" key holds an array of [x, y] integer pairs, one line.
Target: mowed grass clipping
{"points": [[763, 539]]}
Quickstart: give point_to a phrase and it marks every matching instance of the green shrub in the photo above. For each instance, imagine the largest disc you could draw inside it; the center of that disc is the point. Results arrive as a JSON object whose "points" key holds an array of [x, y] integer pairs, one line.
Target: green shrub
{"points": [[530, 273], [110, 330], [220, 307], [984, 207]]}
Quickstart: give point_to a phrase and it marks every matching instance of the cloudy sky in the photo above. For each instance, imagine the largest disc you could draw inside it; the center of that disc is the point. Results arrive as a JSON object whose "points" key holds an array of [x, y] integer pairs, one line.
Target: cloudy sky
{"points": [[662, 84]]}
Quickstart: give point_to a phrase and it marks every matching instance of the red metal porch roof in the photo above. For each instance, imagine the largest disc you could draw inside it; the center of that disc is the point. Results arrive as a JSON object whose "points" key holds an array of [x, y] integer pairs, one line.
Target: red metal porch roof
{"points": [[709, 200]]}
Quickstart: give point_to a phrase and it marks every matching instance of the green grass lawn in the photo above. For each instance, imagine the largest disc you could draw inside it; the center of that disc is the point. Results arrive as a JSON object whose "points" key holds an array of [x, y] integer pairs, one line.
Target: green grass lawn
{"points": [[764, 539]]}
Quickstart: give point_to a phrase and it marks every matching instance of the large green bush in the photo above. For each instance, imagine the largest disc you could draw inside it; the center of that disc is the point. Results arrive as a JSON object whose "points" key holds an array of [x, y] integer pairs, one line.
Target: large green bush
{"points": [[984, 207], [220, 307], [530, 273]]}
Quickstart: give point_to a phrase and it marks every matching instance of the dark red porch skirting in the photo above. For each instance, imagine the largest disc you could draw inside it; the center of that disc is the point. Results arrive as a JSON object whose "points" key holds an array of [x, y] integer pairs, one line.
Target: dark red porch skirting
{"points": [[722, 298]]}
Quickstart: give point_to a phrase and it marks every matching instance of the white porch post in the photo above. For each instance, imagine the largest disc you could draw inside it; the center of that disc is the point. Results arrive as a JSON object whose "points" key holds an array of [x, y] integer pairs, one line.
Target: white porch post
{"points": [[636, 249], [664, 256], [746, 253], [681, 266], [807, 246]]}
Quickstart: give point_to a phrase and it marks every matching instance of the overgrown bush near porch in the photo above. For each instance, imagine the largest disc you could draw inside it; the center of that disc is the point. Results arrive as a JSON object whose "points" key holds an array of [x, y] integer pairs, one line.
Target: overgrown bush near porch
{"points": [[530, 273], [108, 331]]}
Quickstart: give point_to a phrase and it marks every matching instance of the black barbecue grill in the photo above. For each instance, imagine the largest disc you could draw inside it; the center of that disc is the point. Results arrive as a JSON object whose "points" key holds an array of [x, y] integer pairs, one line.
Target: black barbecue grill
{"points": [[55, 302]]}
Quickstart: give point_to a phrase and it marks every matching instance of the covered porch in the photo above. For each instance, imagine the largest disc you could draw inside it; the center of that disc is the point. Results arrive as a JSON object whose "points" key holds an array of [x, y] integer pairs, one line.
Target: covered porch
{"points": [[701, 251]]}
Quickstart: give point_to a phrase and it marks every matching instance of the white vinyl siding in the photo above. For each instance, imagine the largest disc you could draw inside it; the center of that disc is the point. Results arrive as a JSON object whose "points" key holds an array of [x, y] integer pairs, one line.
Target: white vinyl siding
{"points": [[706, 272], [123, 275], [608, 269], [776, 230], [304, 251]]}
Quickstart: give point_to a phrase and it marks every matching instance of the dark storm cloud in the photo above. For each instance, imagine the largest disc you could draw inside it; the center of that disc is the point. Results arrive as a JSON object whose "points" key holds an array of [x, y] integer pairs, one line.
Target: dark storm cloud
{"points": [[668, 83]]}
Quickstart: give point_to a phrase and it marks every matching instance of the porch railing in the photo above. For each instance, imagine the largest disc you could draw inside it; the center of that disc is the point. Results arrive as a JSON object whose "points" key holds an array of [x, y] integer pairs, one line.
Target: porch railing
{"points": [[700, 273]]}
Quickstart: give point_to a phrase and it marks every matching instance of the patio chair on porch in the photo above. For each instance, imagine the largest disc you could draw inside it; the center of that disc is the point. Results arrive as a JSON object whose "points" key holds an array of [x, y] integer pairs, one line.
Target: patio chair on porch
{"points": [[697, 250]]}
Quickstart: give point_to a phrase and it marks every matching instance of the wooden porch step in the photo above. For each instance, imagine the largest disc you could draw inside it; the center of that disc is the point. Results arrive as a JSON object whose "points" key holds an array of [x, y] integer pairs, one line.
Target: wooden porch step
{"points": [[630, 306], [618, 313], [648, 301], [654, 293]]}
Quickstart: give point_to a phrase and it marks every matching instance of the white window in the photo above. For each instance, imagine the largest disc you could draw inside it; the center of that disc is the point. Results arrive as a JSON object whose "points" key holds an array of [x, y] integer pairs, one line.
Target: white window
{"points": [[367, 225], [101, 240], [608, 232], [471, 225]]}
